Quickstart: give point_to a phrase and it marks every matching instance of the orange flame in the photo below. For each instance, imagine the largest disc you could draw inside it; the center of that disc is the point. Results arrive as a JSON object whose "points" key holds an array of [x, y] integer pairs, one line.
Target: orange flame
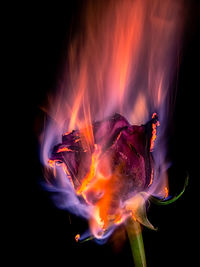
{"points": [[77, 237], [91, 174], [153, 138], [64, 149], [166, 192], [119, 63]]}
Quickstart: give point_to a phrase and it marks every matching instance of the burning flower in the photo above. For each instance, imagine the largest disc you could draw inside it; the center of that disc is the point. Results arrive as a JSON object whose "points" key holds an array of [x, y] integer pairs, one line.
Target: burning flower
{"points": [[111, 173]]}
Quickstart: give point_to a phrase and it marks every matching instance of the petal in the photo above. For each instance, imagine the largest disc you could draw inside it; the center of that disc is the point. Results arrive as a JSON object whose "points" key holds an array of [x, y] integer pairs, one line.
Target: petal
{"points": [[137, 206]]}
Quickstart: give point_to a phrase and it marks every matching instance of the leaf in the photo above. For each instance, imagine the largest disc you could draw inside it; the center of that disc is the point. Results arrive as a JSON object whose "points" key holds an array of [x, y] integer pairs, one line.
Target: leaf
{"points": [[172, 200]]}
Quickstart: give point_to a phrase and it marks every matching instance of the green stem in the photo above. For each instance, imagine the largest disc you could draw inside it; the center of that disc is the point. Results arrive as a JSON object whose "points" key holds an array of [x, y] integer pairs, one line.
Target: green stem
{"points": [[136, 241]]}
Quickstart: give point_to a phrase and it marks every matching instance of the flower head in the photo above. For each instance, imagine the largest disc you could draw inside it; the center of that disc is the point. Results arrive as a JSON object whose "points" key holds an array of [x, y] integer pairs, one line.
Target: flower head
{"points": [[109, 169]]}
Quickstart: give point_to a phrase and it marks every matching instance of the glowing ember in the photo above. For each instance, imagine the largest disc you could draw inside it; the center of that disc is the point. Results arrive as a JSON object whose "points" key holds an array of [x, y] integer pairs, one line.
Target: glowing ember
{"points": [[77, 237]]}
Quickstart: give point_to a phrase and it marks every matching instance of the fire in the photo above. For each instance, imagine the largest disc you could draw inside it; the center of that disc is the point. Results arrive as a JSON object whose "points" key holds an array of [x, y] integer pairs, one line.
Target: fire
{"points": [[109, 175], [91, 174], [120, 63], [77, 237], [166, 192], [64, 149], [154, 125]]}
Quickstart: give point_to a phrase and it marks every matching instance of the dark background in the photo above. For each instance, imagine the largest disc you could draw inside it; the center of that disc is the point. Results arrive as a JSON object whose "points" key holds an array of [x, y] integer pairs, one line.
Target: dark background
{"points": [[45, 235]]}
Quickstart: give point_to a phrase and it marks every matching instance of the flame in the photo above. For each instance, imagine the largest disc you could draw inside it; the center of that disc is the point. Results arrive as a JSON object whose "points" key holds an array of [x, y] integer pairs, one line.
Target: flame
{"points": [[166, 192], [91, 174], [64, 149], [151, 180], [154, 131], [77, 237], [122, 62]]}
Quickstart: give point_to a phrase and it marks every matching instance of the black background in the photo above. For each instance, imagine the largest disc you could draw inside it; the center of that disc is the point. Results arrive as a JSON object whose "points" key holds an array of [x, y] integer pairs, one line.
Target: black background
{"points": [[45, 235]]}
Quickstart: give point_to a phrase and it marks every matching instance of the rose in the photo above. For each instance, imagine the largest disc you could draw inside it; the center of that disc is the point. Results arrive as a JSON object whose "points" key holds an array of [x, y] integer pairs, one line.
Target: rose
{"points": [[110, 166]]}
